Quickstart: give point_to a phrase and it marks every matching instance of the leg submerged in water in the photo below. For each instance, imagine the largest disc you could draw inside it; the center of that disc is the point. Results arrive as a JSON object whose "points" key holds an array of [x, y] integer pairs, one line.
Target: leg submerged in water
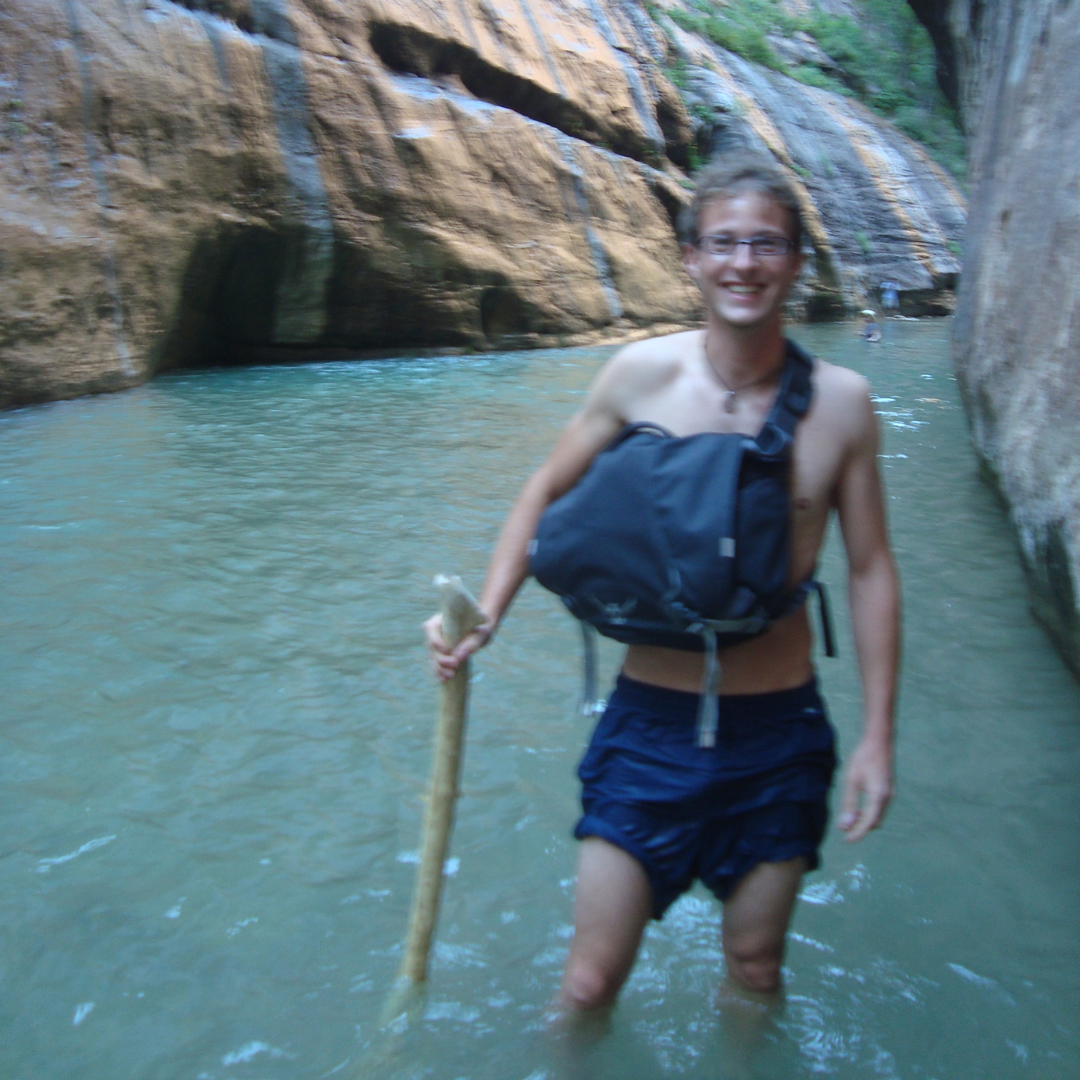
{"points": [[612, 906], [756, 917]]}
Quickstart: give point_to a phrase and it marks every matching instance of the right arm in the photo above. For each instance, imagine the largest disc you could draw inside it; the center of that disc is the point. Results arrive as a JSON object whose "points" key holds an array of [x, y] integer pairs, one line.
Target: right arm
{"points": [[584, 437]]}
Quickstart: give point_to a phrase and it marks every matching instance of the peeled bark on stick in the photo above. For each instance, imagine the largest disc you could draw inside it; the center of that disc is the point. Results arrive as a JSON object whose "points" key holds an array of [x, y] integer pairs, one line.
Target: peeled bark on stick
{"points": [[460, 615]]}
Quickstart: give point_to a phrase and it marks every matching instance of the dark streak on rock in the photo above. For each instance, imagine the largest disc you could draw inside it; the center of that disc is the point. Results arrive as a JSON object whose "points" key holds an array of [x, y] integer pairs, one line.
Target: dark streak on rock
{"points": [[97, 170], [408, 50]]}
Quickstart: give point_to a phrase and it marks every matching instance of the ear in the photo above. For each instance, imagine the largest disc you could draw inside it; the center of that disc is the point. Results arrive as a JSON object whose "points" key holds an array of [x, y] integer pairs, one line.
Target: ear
{"points": [[794, 265], [691, 258]]}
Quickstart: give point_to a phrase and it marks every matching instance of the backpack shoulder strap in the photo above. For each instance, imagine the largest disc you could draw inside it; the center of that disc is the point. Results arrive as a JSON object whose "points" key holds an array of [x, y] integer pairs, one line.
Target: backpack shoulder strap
{"points": [[792, 401]]}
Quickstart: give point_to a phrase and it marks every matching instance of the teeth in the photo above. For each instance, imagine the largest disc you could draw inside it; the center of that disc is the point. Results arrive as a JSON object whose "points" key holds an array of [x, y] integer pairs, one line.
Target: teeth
{"points": [[743, 290]]}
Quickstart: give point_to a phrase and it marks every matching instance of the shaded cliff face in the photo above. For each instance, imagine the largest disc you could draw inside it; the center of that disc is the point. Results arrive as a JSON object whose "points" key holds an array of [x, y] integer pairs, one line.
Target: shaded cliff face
{"points": [[220, 180], [1017, 330], [877, 207]]}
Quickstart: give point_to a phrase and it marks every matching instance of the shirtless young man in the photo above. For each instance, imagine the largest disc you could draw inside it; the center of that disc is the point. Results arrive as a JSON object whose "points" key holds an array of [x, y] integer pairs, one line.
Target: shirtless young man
{"points": [[742, 248]]}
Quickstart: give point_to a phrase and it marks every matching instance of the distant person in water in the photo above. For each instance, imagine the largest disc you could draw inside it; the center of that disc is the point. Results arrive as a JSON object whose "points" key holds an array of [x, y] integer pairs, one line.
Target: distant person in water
{"points": [[890, 296], [871, 331], [746, 816]]}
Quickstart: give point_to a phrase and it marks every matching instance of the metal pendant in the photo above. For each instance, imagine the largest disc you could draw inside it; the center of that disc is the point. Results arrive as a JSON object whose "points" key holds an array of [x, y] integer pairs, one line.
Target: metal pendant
{"points": [[730, 404]]}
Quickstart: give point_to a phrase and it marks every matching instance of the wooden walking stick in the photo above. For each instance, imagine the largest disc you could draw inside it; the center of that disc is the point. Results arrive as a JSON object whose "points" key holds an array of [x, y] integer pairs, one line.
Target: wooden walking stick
{"points": [[460, 616]]}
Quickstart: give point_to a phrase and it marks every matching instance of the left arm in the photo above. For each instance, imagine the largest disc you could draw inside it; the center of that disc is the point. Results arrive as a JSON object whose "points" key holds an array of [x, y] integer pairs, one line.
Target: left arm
{"points": [[874, 593]]}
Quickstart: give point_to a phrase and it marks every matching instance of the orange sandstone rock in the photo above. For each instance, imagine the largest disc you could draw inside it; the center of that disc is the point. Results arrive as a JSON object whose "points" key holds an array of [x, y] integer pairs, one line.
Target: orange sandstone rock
{"points": [[219, 180]]}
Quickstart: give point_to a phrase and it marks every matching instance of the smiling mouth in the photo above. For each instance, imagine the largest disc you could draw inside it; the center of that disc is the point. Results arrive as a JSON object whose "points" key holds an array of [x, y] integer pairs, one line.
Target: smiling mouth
{"points": [[744, 290]]}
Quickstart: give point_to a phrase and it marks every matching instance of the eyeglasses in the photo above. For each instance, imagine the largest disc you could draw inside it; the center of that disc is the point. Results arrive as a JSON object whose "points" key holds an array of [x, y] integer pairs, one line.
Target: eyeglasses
{"points": [[721, 244]]}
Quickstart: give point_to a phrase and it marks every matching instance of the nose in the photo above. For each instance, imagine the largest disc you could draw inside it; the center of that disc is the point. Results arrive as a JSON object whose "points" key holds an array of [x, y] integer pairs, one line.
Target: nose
{"points": [[743, 257]]}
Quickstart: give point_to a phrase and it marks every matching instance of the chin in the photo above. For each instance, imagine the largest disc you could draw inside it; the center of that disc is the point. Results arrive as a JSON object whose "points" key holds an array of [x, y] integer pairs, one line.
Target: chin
{"points": [[745, 319]]}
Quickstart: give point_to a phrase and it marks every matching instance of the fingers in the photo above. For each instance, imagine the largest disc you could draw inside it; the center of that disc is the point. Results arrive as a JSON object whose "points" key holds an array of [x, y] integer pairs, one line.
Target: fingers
{"points": [[446, 661], [443, 663], [849, 812], [475, 639], [433, 632], [868, 785], [869, 817], [857, 819]]}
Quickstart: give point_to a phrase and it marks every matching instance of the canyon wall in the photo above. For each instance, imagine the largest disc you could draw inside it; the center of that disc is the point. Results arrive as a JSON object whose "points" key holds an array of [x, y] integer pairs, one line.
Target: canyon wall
{"points": [[1014, 68], [877, 207], [221, 181]]}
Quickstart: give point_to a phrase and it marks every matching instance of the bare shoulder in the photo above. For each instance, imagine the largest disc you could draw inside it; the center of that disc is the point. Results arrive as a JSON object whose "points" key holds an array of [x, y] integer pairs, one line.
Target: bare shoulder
{"points": [[655, 358], [842, 400], [834, 381], [643, 367]]}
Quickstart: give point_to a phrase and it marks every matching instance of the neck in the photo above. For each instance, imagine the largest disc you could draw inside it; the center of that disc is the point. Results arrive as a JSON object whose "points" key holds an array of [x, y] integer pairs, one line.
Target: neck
{"points": [[744, 353]]}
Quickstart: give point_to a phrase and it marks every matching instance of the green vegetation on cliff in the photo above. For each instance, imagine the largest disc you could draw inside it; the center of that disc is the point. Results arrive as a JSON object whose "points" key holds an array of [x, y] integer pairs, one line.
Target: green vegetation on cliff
{"points": [[884, 57]]}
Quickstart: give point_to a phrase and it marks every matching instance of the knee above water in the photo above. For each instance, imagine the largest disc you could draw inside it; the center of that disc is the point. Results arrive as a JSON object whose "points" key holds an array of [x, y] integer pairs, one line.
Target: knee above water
{"points": [[759, 972], [589, 987]]}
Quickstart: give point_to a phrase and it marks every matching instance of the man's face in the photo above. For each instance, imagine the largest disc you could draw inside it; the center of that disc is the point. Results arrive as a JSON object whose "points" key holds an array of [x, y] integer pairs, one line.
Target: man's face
{"points": [[742, 289]]}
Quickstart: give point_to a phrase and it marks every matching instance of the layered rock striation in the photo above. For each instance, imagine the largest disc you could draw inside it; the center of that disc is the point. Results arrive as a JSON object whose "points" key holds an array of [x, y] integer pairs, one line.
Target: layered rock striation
{"points": [[220, 180], [878, 208], [1015, 68]]}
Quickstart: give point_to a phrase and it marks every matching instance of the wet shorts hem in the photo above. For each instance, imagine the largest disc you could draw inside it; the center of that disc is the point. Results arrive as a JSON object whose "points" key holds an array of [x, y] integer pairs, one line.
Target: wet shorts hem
{"points": [[590, 825], [724, 885], [666, 892]]}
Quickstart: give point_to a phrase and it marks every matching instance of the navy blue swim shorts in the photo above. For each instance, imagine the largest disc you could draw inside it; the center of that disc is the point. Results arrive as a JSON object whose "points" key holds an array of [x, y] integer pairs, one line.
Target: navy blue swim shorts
{"points": [[683, 811]]}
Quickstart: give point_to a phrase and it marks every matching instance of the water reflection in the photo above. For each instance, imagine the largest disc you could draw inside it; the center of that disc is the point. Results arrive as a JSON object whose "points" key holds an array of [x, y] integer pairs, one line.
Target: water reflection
{"points": [[216, 731]]}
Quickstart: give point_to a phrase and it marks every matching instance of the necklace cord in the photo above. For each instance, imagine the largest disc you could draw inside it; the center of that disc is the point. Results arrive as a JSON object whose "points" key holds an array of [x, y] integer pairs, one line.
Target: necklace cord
{"points": [[733, 391]]}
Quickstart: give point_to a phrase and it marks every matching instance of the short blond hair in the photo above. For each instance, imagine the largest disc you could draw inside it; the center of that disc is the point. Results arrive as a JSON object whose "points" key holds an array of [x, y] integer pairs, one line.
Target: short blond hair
{"points": [[730, 174]]}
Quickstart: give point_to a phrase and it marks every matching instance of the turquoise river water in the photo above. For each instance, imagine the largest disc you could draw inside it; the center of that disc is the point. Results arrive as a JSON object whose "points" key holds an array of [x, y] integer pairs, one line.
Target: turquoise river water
{"points": [[216, 726]]}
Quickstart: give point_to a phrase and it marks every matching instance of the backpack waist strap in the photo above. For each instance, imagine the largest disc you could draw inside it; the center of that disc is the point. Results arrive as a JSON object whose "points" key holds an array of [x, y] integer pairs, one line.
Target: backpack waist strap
{"points": [[708, 708]]}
